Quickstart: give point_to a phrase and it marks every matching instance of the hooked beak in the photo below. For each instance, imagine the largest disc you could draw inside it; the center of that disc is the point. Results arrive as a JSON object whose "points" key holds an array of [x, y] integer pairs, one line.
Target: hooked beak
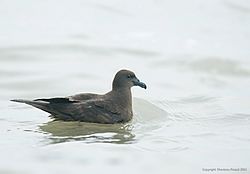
{"points": [[137, 82]]}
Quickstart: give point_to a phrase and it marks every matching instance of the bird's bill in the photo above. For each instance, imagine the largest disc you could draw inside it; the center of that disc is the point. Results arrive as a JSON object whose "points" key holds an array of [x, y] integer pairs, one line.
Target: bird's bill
{"points": [[138, 83]]}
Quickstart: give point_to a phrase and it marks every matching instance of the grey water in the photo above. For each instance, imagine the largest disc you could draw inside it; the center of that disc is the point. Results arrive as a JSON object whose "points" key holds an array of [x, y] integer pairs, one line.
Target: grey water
{"points": [[193, 55]]}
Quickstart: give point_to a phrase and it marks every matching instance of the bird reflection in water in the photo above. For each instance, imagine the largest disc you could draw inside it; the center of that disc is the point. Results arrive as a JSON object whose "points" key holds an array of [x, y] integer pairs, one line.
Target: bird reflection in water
{"points": [[61, 132]]}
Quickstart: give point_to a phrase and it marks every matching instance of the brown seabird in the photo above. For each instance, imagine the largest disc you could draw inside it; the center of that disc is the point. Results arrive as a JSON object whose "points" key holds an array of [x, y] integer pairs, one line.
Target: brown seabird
{"points": [[112, 107]]}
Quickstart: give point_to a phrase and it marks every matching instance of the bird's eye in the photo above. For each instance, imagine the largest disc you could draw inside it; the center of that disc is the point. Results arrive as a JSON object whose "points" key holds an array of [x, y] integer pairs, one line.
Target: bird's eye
{"points": [[129, 76]]}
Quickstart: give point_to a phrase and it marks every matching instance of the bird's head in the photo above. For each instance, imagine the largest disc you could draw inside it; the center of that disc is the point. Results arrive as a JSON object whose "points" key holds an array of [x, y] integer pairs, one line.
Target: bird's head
{"points": [[126, 79]]}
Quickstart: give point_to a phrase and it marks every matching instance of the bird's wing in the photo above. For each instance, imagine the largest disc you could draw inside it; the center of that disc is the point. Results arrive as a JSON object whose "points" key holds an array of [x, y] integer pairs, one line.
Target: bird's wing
{"points": [[100, 111], [57, 100], [84, 96], [71, 99], [107, 105]]}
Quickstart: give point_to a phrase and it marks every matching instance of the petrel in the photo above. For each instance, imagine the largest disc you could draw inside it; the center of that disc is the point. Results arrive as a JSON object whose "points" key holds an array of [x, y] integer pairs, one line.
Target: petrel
{"points": [[112, 107]]}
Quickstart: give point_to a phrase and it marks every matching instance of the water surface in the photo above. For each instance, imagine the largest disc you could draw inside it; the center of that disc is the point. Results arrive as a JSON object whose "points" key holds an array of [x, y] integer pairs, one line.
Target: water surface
{"points": [[194, 58]]}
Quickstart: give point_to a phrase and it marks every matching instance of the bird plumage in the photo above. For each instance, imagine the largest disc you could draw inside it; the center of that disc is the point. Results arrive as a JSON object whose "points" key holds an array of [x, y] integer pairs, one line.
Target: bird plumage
{"points": [[112, 107]]}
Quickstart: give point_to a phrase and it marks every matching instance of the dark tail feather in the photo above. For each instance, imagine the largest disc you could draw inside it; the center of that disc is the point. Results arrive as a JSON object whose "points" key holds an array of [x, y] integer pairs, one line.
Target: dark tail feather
{"points": [[45, 106], [30, 102], [22, 101], [18, 100], [38, 104]]}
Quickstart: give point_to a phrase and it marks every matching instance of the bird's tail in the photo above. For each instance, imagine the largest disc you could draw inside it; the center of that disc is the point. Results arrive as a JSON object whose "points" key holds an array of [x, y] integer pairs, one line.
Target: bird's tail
{"points": [[21, 101], [30, 102], [38, 104]]}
